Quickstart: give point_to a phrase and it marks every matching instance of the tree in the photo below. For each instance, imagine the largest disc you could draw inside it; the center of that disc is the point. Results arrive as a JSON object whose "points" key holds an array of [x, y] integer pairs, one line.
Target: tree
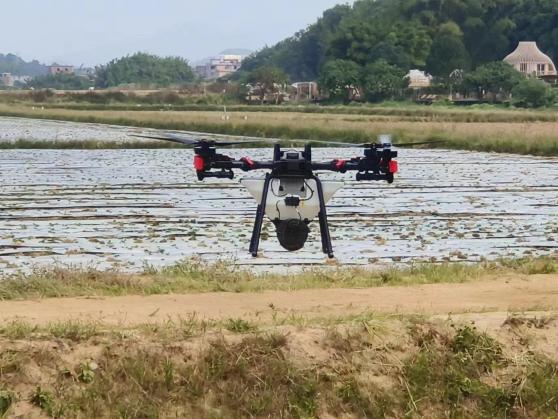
{"points": [[11, 63], [340, 78], [382, 81], [448, 51], [493, 78], [532, 93], [267, 80], [60, 82], [145, 69]]}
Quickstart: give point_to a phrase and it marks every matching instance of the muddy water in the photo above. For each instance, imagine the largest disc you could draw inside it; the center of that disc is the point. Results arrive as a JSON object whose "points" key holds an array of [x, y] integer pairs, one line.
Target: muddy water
{"points": [[131, 208]]}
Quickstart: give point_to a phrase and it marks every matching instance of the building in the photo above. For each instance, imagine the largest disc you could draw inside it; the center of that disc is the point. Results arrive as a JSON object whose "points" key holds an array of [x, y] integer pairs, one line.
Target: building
{"points": [[6, 79], [305, 91], [60, 69], [219, 66], [530, 60], [419, 79]]}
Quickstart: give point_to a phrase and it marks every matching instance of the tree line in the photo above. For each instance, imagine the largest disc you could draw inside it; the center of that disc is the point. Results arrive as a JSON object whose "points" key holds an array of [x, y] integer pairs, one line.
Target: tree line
{"points": [[437, 36], [140, 69]]}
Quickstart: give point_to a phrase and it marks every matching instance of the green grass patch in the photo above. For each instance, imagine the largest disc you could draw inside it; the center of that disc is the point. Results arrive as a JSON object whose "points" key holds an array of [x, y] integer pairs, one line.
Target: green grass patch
{"points": [[198, 276], [239, 326], [7, 398], [457, 374], [75, 330]]}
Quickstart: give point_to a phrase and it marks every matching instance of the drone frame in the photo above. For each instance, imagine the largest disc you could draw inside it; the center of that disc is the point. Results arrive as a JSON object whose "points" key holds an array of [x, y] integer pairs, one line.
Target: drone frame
{"points": [[376, 164]]}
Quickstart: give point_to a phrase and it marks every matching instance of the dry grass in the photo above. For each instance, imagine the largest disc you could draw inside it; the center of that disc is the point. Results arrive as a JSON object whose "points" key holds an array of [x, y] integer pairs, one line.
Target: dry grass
{"points": [[366, 368], [537, 138], [197, 276]]}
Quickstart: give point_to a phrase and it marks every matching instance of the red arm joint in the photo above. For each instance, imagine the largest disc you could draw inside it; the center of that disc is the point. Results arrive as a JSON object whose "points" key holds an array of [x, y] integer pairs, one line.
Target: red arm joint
{"points": [[340, 165], [248, 162]]}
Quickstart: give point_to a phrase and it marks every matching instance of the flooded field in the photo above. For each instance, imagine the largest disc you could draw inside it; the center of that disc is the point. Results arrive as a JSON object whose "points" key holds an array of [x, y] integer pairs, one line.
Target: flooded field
{"points": [[132, 208]]}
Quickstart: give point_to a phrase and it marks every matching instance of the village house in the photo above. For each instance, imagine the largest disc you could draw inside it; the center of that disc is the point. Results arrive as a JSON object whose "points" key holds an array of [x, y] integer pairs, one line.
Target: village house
{"points": [[305, 91], [418, 79], [531, 61], [219, 66], [60, 69], [6, 79]]}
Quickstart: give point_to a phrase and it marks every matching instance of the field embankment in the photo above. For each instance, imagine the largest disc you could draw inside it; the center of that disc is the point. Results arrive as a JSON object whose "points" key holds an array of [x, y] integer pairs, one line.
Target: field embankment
{"points": [[498, 131], [382, 352], [197, 276]]}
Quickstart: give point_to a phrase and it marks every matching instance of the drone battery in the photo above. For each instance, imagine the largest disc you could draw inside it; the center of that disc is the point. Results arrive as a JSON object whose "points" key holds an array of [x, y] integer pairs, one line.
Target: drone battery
{"points": [[292, 201]]}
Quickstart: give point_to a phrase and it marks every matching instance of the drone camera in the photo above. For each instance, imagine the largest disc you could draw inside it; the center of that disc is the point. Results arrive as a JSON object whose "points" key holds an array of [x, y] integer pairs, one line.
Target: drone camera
{"points": [[292, 234]]}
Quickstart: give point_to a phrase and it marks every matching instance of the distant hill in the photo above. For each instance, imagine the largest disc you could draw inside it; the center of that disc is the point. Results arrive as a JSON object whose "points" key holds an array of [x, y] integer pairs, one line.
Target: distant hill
{"points": [[11, 63], [438, 36]]}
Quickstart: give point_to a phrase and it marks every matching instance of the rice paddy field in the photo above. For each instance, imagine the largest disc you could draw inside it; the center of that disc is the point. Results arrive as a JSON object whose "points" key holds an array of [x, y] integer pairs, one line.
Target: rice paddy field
{"points": [[126, 288], [132, 208], [519, 132]]}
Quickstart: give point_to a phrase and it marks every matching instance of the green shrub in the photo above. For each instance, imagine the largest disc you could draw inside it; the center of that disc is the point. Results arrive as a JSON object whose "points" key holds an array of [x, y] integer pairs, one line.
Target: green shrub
{"points": [[532, 93]]}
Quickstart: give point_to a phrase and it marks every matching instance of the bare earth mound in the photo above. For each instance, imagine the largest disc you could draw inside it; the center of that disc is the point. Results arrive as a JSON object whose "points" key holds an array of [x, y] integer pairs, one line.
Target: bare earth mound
{"points": [[478, 349]]}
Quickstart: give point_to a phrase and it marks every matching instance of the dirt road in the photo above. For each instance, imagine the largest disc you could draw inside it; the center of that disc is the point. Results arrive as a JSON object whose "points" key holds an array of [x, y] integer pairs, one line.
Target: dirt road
{"points": [[537, 292]]}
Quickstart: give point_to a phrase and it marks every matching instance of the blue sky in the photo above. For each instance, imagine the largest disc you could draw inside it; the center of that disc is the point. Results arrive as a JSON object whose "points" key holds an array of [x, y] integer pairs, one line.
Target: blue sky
{"points": [[92, 32]]}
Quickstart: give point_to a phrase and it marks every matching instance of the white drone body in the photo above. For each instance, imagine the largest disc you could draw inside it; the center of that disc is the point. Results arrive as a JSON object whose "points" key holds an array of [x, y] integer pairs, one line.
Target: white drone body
{"points": [[281, 190]]}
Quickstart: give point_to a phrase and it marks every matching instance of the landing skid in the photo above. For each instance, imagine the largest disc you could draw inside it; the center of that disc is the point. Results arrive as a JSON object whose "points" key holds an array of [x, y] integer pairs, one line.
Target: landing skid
{"points": [[327, 247]]}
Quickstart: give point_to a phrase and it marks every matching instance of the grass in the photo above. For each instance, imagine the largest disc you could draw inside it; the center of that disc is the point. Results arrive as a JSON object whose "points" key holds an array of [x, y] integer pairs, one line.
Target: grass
{"points": [[82, 145], [388, 368], [75, 330], [6, 401], [410, 110], [239, 326], [521, 132], [454, 375], [197, 276]]}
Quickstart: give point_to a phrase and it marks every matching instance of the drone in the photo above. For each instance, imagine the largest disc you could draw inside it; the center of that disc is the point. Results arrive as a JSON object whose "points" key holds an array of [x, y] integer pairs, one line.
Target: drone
{"points": [[291, 194]]}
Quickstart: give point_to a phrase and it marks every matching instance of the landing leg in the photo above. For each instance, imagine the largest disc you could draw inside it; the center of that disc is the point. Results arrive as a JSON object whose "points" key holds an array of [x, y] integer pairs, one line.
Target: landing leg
{"points": [[260, 213], [324, 227]]}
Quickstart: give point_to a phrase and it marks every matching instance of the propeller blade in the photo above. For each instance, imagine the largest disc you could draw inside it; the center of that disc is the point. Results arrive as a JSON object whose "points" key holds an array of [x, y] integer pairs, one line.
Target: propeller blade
{"points": [[170, 137], [191, 142], [337, 143], [245, 140], [418, 143]]}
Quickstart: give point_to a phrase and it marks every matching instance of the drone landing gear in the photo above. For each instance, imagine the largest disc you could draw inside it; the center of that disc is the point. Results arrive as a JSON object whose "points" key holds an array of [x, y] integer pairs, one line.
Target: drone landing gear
{"points": [[260, 213], [327, 248]]}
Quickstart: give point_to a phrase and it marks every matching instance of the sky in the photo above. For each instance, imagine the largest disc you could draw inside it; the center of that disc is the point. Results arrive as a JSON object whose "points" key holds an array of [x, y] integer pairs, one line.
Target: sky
{"points": [[92, 32]]}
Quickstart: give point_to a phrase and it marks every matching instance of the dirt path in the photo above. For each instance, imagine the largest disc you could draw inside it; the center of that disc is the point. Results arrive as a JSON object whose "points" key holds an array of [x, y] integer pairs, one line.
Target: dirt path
{"points": [[537, 292]]}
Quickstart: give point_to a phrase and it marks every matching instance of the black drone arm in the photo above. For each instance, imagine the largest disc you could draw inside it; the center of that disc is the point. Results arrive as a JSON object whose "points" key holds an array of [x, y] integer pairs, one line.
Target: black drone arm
{"points": [[377, 164]]}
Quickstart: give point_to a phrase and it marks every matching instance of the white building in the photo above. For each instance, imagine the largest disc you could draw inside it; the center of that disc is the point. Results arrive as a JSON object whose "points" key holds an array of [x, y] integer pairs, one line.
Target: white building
{"points": [[530, 60], [6, 79], [219, 66], [418, 79]]}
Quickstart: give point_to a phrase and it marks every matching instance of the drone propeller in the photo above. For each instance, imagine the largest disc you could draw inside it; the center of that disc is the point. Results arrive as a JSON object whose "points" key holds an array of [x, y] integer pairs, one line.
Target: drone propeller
{"points": [[173, 138], [188, 141], [418, 143], [351, 145]]}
